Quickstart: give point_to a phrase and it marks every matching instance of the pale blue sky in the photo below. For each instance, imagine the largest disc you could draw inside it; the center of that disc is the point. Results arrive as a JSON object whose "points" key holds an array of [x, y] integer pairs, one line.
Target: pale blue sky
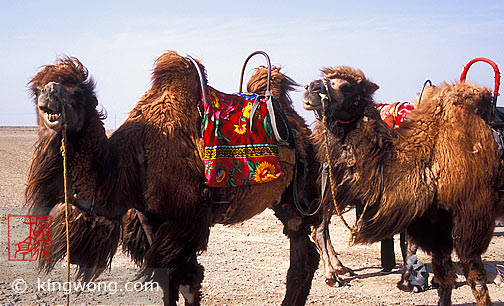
{"points": [[398, 44]]}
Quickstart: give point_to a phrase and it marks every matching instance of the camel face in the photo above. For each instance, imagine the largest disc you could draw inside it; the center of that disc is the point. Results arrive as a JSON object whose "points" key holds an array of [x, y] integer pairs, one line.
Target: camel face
{"points": [[312, 99], [58, 105], [63, 95], [335, 97], [340, 94], [49, 104]]}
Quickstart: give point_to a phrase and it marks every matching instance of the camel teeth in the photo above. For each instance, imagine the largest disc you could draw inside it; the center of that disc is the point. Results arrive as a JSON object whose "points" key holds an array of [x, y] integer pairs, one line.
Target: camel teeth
{"points": [[53, 117]]}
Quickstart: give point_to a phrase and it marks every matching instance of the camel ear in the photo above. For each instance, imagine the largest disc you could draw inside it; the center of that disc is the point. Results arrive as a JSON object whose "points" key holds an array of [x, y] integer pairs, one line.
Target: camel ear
{"points": [[370, 87]]}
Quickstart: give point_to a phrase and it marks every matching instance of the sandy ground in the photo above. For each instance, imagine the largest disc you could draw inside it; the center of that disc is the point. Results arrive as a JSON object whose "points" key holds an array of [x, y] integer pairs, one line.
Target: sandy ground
{"points": [[244, 265]]}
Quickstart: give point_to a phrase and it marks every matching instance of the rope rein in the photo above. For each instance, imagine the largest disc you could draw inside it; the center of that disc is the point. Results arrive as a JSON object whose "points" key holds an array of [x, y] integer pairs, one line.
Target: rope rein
{"points": [[331, 179], [353, 230], [65, 184]]}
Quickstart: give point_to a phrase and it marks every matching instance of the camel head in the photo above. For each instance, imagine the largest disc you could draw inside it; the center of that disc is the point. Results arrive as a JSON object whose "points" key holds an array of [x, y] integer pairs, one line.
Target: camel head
{"points": [[340, 94], [63, 94]]}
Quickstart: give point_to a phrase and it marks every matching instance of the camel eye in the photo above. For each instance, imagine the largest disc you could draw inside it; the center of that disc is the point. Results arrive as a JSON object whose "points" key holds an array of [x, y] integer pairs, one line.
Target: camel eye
{"points": [[346, 88]]}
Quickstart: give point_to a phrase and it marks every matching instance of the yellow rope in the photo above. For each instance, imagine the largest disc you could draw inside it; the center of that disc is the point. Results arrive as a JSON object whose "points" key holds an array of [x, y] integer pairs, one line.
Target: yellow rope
{"points": [[353, 229], [331, 179], [65, 179]]}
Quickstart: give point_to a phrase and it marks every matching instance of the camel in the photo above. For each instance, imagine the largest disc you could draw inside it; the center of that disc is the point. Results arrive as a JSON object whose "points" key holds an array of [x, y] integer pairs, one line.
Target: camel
{"points": [[435, 177], [144, 186], [393, 114]]}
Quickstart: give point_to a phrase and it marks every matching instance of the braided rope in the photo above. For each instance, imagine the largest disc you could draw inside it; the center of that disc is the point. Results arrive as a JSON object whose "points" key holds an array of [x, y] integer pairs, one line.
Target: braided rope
{"points": [[353, 229], [331, 179], [65, 184]]}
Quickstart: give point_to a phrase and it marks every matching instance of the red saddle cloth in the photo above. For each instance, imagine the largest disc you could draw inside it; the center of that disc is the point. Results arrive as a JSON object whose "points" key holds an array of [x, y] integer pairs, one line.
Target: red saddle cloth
{"points": [[235, 155], [395, 113]]}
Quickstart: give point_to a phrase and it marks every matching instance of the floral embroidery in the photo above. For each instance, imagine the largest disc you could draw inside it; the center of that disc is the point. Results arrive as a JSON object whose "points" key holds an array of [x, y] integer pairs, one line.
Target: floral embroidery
{"points": [[395, 113], [220, 175], [214, 99], [265, 172], [235, 155], [246, 111], [240, 128], [246, 95]]}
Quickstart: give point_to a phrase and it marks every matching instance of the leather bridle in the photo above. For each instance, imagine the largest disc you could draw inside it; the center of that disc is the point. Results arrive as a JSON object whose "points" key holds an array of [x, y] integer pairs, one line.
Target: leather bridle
{"points": [[324, 95]]}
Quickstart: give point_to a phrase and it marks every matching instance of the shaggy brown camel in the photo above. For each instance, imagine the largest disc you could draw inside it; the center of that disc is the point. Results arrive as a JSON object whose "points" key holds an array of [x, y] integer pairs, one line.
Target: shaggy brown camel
{"points": [[393, 115], [435, 176], [147, 179]]}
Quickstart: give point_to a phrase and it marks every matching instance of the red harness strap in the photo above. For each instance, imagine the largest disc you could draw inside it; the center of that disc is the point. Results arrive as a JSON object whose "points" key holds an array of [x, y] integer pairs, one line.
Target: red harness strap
{"points": [[346, 122]]}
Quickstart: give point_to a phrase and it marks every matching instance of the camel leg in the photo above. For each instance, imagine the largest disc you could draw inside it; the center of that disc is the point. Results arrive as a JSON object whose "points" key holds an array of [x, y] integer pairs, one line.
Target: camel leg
{"points": [[174, 250], [185, 280], [304, 257], [475, 274], [473, 230], [322, 239], [189, 282], [335, 262], [445, 272], [163, 279]]}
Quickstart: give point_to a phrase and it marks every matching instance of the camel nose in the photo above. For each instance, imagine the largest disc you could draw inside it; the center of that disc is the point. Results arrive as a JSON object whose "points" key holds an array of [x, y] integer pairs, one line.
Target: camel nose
{"points": [[52, 88], [51, 96], [313, 87]]}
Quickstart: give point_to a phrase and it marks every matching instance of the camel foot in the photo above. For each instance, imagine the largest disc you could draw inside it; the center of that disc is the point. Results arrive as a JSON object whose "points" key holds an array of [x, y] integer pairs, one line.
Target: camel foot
{"points": [[335, 282], [346, 270]]}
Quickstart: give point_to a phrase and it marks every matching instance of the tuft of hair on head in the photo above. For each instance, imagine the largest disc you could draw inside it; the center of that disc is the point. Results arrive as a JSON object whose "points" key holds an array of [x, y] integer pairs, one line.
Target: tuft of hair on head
{"points": [[347, 73]]}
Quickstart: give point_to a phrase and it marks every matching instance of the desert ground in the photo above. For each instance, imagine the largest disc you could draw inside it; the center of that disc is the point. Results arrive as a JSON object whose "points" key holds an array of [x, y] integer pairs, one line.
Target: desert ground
{"points": [[245, 264]]}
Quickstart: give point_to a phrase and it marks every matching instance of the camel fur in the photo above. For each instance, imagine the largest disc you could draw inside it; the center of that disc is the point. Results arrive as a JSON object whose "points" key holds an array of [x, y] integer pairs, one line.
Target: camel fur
{"points": [[145, 183], [440, 169]]}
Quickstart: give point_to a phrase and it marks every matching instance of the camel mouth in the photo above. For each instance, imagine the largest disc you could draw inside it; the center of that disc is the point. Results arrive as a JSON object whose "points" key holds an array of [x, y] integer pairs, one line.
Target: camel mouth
{"points": [[309, 105], [52, 118], [311, 98], [50, 102]]}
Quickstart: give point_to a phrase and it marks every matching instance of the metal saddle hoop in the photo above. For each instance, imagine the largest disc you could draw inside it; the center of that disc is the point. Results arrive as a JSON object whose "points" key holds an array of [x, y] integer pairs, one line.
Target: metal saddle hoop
{"points": [[268, 96], [496, 120], [493, 123], [275, 113], [427, 82], [300, 200]]}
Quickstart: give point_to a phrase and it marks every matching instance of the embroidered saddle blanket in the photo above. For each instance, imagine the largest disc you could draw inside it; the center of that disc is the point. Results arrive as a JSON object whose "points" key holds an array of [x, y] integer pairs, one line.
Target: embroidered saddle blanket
{"points": [[235, 154], [395, 113]]}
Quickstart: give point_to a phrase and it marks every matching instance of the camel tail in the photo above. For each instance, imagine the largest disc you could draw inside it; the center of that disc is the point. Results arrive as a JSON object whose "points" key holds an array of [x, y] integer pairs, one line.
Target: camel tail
{"points": [[93, 242]]}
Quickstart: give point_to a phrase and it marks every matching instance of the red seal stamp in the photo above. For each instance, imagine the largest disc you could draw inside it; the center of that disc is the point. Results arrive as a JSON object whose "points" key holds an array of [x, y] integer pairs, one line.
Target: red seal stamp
{"points": [[29, 237]]}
